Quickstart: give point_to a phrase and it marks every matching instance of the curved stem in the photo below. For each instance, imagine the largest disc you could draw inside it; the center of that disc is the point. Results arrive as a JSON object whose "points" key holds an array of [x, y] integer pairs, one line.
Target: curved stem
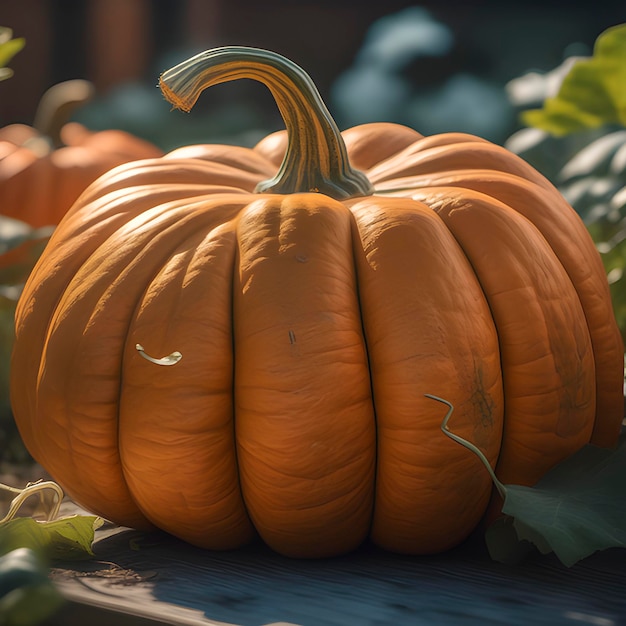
{"points": [[21, 495], [316, 158], [467, 444], [58, 104], [170, 359]]}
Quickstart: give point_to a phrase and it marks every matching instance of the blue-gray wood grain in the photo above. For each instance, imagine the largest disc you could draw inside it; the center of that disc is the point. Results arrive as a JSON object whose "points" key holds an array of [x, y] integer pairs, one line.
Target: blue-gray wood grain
{"points": [[255, 586]]}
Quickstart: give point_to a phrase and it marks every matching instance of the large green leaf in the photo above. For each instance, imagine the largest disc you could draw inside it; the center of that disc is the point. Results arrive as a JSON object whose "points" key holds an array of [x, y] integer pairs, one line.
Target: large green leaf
{"points": [[576, 509], [592, 94]]}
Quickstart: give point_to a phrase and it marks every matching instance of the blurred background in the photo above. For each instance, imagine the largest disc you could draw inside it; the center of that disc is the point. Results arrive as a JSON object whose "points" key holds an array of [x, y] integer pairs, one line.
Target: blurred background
{"points": [[434, 65]]}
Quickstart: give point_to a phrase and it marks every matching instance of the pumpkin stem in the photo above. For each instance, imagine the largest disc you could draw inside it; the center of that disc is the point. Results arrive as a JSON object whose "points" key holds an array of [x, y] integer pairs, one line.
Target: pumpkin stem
{"points": [[57, 105], [316, 159], [467, 444]]}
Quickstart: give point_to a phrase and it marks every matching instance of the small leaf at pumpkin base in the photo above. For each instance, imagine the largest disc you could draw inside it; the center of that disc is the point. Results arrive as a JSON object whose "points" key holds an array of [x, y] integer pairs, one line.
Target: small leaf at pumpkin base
{"points": [[576, 509], [66, 538]]}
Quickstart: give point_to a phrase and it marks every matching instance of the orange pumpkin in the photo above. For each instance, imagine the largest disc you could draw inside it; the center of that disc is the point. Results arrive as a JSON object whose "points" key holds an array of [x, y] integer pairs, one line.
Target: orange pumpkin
{"points": [[44, 168], [306, 309]]}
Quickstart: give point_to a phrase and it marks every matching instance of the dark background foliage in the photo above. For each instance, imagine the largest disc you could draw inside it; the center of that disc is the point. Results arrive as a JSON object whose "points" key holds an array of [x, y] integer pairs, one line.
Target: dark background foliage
{"points": [[123, 45]]}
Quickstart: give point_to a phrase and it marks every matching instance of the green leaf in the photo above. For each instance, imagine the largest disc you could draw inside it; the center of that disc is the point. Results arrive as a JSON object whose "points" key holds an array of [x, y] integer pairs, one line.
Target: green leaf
{"points": [[592, 94], [31, 605], [27, 595], [20, 247], [15, 232], [67, 538], [595, 159], [576, 509], [9, 47], [21, 567]]}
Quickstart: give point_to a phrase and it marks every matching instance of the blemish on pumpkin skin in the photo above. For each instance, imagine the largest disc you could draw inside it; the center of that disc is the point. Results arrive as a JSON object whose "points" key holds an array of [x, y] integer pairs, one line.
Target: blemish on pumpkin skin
{"points": [[575, 404], [482, 401], [292, 337]]}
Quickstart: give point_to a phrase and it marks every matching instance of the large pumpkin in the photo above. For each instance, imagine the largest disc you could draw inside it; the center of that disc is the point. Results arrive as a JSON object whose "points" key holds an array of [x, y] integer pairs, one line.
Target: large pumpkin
{"points": [[230, 341]]}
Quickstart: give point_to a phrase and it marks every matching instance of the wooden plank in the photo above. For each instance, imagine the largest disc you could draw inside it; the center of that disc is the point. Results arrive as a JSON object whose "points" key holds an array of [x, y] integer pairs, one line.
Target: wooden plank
{"points": [[86, 611], [160, 580]]}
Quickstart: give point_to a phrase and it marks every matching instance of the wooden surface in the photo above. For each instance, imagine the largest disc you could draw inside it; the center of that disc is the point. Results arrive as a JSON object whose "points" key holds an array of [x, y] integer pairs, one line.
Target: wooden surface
{"points": [[144, 580]]}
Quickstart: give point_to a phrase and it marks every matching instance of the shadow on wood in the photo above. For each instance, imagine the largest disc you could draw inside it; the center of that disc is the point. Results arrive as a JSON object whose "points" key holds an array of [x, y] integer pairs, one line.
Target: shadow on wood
{"points": [[149, 579]]}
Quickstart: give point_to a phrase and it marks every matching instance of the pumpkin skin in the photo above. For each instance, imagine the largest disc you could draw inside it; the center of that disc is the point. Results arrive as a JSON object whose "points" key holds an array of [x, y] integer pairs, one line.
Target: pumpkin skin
{"points": [[44, 168], [312, 319]]}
